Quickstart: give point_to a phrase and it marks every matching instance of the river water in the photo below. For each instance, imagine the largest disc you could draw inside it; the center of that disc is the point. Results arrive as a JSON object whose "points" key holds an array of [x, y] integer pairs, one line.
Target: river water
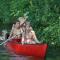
{"points": [[24, 58], [16, 57]]}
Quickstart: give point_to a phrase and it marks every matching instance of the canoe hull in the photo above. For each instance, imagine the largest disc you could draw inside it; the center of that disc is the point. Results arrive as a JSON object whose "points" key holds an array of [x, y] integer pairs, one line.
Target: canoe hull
{"points": [[36, 50]]}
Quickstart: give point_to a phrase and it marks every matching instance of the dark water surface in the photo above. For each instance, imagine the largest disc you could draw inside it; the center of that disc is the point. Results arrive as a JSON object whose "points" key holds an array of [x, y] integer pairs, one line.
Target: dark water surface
{"points": [[24, 58], [17, 57]]}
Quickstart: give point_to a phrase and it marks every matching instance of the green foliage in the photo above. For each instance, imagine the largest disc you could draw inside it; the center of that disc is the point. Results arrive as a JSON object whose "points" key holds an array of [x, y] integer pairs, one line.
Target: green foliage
{"points": [[44, 16]]}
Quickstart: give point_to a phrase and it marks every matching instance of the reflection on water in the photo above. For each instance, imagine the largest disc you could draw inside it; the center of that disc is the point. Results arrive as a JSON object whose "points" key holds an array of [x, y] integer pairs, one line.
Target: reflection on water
{"points": [[18, 58], [24, 58]]}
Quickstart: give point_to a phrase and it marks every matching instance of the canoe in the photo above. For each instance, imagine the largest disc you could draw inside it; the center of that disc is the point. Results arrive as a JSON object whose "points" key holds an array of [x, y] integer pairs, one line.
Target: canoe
{"points": [[36, 50]]}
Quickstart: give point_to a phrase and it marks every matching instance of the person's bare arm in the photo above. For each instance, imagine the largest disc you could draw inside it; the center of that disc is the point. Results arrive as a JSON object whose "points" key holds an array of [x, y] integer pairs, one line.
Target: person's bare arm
{"points": [[22, 41], [34, 37]]}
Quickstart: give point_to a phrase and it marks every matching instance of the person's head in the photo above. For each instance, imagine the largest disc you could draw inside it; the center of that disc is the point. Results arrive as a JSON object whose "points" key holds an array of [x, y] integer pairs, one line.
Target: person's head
{"points": [[28, 26], [22, 21], [17, 25], [4, 32]]}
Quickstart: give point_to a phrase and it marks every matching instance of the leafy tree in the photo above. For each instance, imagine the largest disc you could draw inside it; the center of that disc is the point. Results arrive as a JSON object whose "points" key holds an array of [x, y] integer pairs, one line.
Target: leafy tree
{"points": [[44, 16]]}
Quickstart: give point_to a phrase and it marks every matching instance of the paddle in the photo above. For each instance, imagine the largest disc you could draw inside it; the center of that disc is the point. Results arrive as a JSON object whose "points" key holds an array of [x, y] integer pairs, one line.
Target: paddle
{"points": [[37, 41], [9, 39]]}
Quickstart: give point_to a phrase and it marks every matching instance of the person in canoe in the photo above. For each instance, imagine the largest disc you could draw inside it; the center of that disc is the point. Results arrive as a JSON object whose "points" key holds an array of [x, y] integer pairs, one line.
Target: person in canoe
{"points": [[28, 35], [16, 30], [22, 21]]}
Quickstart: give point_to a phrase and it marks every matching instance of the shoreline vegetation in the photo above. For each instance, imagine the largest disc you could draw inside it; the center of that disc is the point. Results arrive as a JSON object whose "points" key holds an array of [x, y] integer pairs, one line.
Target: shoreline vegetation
{"points": [[44, 16]]}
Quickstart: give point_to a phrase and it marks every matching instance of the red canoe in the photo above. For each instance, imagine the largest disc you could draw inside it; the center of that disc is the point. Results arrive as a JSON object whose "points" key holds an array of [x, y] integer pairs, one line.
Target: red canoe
{"points": [[36, 50]]}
